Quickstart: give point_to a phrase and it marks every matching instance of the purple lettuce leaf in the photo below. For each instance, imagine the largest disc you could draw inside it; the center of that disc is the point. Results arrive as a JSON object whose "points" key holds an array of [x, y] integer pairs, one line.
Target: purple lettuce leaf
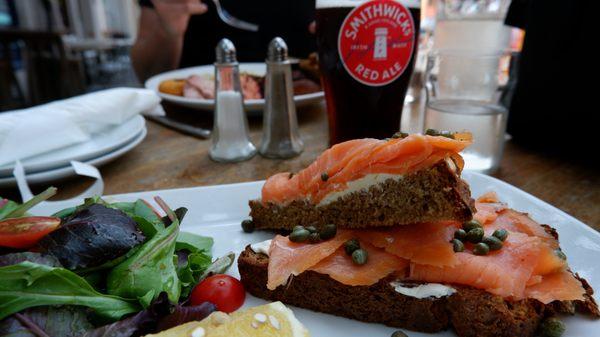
{"points": [[48, 321], [159, 316]]}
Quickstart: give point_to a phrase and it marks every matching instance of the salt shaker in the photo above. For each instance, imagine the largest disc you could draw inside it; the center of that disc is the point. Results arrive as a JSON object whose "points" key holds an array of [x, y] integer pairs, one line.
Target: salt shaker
{"points": [[230, 141], [280, 124]]}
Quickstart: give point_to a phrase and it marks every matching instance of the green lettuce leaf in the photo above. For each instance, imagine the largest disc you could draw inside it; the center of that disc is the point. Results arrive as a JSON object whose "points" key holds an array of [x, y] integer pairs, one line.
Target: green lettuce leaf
{"points": [[219, 266], [150, 269], [144, 215], [193, 257], [28, 284], [6, 207], [12, 209], [194, 243], [190, 268], [16, 258]]}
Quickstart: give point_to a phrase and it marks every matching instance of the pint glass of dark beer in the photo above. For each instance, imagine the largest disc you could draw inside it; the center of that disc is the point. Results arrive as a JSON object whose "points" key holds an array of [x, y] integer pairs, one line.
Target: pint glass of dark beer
{"points": [[367, 51]]}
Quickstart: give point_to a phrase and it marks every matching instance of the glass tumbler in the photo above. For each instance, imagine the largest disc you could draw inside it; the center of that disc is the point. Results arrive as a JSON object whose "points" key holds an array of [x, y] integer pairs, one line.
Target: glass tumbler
{"points": [[467, 91], [471, 24]]}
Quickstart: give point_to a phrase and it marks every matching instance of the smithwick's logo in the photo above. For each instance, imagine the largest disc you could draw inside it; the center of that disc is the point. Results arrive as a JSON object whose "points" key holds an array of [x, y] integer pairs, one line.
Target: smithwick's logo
{"points": [[376, 42]]}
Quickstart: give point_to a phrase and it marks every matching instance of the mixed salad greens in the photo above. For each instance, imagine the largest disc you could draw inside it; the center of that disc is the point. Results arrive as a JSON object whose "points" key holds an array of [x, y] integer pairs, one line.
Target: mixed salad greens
{"points": [[99, 269]]}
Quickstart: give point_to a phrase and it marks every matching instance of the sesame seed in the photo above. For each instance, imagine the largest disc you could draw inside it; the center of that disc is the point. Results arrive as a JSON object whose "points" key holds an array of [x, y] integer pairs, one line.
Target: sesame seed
{"points": [[198, 332], [274, 322], [260, 317]]}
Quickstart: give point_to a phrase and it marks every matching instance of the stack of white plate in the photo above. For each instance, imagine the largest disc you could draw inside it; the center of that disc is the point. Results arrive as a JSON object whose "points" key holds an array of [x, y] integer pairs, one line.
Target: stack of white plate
{"points": [[99, 150]]}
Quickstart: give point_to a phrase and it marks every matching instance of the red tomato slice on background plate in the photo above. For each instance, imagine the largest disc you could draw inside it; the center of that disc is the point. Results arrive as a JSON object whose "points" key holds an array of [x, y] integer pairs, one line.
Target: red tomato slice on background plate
{"points": [[26, 232]]}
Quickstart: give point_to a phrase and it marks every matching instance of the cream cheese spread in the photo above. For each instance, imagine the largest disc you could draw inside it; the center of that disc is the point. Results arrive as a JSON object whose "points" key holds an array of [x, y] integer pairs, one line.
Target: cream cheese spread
{"points": [[361, 184], [423, 290], [261, 247]]}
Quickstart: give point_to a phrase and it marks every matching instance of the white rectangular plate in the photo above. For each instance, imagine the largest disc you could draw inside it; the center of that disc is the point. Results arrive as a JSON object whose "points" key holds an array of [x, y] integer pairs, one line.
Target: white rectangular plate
{"points": [[218, 210]]}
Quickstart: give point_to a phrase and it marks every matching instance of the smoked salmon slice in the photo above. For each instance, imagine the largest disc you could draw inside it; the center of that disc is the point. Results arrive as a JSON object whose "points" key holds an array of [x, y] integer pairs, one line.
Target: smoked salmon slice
{"points": [[339, 266], [287, 258], [529, 264], [425, 243], [488, 206], [514, 221], [504, 272], [549, 261], [560, 286], [354, 159], [528, 256]]}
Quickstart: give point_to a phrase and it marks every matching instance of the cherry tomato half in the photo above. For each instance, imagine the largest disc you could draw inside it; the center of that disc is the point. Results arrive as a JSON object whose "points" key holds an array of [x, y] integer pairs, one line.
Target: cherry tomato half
{"points": [[224, 291], [26, 232]]}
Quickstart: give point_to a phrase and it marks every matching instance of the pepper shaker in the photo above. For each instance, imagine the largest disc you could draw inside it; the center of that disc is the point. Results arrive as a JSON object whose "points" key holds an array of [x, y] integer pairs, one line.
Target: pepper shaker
{"points": [[230, 140], [280, 123]]}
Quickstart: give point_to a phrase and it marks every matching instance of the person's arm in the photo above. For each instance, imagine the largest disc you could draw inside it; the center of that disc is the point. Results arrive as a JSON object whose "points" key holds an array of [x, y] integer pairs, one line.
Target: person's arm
{"points": [[160, 35]]}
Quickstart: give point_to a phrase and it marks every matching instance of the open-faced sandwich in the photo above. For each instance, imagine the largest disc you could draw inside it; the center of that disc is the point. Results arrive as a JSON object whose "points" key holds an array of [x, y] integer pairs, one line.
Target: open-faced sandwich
{"points": [[385, 231], [365, 183]]}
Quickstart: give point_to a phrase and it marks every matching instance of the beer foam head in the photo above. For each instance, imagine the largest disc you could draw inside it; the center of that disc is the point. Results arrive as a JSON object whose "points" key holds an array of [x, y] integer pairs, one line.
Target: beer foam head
{"points": [[354, 3]]}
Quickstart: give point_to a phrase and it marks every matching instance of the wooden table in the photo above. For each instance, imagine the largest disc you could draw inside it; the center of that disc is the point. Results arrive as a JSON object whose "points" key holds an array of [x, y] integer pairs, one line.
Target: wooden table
{"points": [[168, 159]]}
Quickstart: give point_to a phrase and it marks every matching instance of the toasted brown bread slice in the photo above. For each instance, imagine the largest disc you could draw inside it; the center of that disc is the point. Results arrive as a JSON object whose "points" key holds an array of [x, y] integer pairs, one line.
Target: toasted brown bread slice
{"points": [[436, 193], [471, 312]]}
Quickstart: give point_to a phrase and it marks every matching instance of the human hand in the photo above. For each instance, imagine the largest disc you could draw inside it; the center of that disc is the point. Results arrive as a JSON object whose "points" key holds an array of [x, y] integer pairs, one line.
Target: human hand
{"points": [[175, 14]]}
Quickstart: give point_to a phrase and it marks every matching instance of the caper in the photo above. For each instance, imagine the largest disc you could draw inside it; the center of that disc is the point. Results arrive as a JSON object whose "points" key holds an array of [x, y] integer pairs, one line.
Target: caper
{"points": [[351, 245], [460, 234], [475, 235], [314, 238], [311, 229], [360, 256], [300, 235], [481, 249], [324, 176], [560, 254], [468, 225], [552, 327], [291, 175], [501, 234], [297, 228], [493, 242], [248, 226], [400, 134], [458, 245], [328, 231], [447, 134], [432, 132], [399, 334]]}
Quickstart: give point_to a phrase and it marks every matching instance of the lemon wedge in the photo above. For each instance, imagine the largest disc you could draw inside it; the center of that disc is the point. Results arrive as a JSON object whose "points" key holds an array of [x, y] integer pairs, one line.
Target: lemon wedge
{"points": [[269, 320]]}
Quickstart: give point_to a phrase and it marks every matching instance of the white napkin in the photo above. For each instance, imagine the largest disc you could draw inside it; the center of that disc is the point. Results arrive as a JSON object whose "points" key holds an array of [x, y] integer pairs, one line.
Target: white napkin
{"points": [[33, 131]]}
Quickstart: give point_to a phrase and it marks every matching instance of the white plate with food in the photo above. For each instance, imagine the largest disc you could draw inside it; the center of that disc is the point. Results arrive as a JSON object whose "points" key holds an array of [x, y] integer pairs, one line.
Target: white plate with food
{"points": [[217, 211], [101, 143], [194, 87], [377, 231], [48, 176]]}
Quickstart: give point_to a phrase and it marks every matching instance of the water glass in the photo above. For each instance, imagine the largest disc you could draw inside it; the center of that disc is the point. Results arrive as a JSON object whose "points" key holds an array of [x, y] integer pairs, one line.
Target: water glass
{"points": [[471, 24], [467, 91]]}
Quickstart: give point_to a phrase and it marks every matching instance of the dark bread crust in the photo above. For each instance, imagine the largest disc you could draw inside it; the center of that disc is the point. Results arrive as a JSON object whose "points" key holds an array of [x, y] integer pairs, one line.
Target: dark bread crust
{"points": [[433, 194], [477, 313], [470, 311], [588, 306], [378, 303]]}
